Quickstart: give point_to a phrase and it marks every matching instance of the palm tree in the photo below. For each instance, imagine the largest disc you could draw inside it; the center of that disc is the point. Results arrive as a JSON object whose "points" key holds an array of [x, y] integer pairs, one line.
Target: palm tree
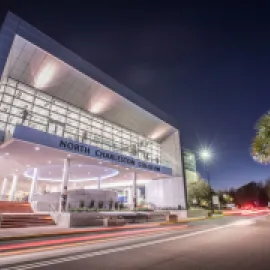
{"points": [[261, 143]]}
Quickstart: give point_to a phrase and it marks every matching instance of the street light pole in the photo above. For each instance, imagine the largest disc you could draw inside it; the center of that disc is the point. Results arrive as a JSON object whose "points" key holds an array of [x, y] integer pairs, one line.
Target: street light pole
{"points": [[206, 169], [206, 156]]}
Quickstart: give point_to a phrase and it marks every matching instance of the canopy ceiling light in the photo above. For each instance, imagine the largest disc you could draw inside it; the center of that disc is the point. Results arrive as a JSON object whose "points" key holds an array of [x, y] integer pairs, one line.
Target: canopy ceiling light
{"points": [[77, 174]]}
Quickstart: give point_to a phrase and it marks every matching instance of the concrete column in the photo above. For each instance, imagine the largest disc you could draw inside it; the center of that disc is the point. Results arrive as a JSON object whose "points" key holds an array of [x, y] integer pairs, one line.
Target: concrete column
{"points": [[139, 195], [99, 183], [134, 191], [13, 188], [3, 189], [33, 185], [128, 193], [64, 186], [74, 186]]}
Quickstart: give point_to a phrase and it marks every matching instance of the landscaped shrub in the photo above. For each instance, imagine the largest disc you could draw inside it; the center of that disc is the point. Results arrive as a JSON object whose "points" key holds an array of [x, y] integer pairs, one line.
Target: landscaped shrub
{"points": [[81, 205]]}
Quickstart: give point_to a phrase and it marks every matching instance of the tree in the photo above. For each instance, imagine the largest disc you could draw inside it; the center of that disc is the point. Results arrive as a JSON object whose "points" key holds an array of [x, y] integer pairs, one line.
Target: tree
{"points": [[198, 192], [251, 193], [261, 143], [267, 188], [225, 198]]}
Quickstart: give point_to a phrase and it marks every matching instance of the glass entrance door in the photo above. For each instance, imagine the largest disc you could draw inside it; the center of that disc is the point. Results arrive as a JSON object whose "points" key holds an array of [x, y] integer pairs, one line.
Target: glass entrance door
{"points": [[59, 130], [56, 128]]}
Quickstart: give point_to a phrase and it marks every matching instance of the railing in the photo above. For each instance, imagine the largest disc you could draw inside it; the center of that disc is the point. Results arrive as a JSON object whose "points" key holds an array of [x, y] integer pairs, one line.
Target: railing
{"points": [[51, 207], [34, 206]]}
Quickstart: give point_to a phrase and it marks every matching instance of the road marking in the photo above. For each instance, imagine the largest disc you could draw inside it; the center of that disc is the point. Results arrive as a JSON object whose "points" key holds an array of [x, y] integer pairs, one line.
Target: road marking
{"points": [[111, 250]]}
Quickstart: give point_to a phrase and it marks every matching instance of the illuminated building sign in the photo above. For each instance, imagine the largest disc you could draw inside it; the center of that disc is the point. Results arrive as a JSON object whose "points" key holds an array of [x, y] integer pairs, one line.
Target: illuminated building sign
{"points": [[75, 147], [35, 136], [115, 157], [103, 154]]}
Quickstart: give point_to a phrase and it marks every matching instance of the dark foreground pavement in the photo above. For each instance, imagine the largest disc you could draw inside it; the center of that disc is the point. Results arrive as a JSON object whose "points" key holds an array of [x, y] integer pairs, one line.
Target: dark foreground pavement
{"points": [[219, 246]]}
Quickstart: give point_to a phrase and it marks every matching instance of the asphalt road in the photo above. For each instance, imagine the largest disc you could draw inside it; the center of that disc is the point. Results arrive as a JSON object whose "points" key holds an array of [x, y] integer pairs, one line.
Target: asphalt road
{"points": [[207, 245]]}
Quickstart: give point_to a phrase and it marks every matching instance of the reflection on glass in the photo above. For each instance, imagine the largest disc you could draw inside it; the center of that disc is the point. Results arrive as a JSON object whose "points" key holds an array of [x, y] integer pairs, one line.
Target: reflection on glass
{"points": [[23, 104]]}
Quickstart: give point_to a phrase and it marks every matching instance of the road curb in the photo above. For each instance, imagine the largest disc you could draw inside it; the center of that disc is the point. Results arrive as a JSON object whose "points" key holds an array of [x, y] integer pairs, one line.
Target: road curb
{"points": [[190, 220], [42, 235], [183, 221]]}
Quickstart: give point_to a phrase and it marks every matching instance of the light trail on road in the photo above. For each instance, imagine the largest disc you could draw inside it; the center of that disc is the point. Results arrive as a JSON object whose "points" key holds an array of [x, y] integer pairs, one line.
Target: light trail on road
{"points": [[48, 248], [87, 238]]}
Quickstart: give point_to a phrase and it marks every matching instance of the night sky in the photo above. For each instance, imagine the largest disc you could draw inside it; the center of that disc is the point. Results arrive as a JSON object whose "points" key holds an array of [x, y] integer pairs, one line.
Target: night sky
{"points": [[207, 65]]}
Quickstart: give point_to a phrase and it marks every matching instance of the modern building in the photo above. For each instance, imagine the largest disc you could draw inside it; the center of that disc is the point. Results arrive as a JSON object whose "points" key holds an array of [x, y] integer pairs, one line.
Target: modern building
{"points": [[189, 161], [65, 125]]}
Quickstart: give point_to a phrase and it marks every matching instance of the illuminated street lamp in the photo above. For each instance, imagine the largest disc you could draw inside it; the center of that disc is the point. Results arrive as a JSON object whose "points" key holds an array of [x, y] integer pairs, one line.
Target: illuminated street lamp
{"points": [[206, 156]]}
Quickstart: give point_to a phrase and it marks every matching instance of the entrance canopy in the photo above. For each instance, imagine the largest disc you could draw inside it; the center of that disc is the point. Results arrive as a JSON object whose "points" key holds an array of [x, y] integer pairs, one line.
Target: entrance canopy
{"points": [[20, 157]]}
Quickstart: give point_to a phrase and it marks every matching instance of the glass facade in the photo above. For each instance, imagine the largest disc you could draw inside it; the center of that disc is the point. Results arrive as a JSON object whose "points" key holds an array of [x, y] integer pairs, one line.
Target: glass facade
{"points": [[21, 104]]}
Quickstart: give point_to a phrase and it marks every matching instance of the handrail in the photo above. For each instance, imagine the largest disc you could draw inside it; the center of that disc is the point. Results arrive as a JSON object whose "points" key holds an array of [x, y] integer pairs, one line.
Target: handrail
{"points": [[51, 206], [34, 205]]}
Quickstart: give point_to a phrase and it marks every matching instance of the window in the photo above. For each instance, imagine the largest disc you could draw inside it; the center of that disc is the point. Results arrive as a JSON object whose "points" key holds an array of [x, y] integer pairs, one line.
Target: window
{"points": [[97, 124], [44, 96], [24, 96], [55, 116], [3, 117], [74, 115], [72, 122], [85, 120], [2, 125], [26, 88], [42, 103], [86, 127], [7, 99], [41, 111], [96, 131], [107, 135], [14, 120], [39, 119], [70, 136], [10, 128], [73, 108], [12, 82], [107, 142], [71, 129], [59, 103], [59, 110], [58, 117], [96, 138], [2, 89], [5, 107], [108, 129], [20, 103], [10, 90]]}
